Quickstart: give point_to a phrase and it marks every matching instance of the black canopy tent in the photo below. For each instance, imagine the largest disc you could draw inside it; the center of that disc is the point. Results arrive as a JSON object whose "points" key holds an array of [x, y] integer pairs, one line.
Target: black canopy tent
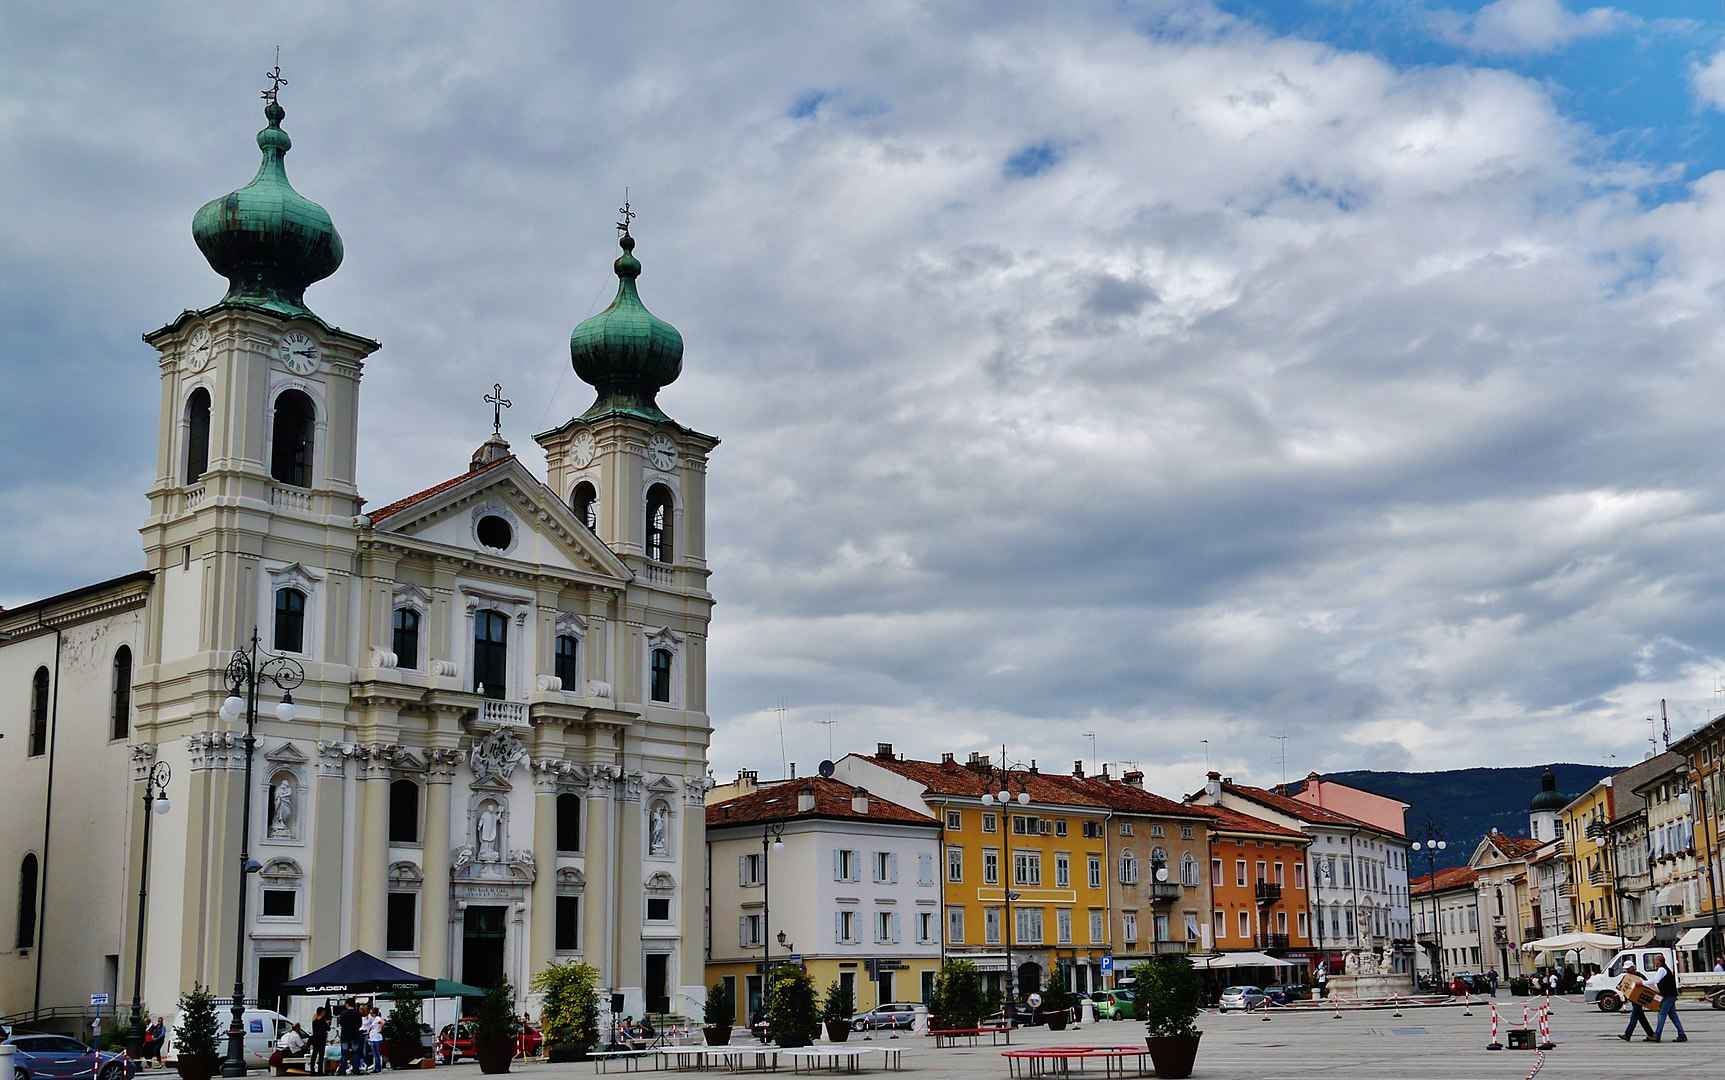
{"points": [[358, 972]]}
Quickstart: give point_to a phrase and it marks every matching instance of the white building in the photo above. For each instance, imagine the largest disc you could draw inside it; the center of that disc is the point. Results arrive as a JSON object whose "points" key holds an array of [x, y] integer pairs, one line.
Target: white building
{"points": [[1447, 924], [497, 755], [821, 873]]}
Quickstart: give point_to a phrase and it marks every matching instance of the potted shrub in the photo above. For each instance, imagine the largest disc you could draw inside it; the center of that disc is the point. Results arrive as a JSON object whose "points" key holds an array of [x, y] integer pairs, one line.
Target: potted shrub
{"points": [[401, 1031], [1167, 996], [495, 1027], [836, 1011], [569, 1010], [195, 1037], [958, 998], [791, 1013], [1056, 999], [717, 1014], [1520, 986]]}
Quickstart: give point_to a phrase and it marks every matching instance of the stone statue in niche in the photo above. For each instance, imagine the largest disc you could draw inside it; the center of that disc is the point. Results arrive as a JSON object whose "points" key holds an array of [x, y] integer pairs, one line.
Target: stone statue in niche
{"points": [[281, 808], [658, 841], [489, 828]]}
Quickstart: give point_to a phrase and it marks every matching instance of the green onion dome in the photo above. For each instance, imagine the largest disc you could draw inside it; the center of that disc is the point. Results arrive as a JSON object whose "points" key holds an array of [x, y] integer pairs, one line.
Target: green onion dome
{"points": [[267, 239], [626, 352], [1549, 798]]}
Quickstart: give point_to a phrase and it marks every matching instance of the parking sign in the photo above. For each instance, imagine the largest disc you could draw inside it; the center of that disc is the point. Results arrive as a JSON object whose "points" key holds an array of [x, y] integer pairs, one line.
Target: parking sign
{"points": [[1107, 965]]}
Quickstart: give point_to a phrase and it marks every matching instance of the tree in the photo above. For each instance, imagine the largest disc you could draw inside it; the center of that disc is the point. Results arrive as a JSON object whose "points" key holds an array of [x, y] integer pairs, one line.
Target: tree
{"points": [[719, 1010], [1167, 996], [196, 1034], [569, 1013], [840, 1003], [958, 998], [1055, 997], [791, 1010]]}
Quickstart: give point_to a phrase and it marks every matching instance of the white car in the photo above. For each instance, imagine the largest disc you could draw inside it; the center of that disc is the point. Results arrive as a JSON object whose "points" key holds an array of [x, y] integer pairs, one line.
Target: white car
{"points": [[1244, 998], [263, 1028]]}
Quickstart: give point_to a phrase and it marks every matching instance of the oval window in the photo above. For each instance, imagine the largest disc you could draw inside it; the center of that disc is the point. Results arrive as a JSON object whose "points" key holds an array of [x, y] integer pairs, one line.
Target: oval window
{"points": [[494, 532]]}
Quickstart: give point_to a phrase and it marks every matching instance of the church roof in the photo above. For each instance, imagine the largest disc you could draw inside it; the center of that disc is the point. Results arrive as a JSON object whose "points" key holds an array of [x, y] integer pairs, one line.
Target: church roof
{"points": [[626, 352], [417, 497], [832, 800]]}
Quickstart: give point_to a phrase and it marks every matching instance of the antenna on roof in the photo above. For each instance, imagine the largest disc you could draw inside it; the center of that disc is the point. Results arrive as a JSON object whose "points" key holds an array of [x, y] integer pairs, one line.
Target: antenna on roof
{"points": [[1094, 765], [1283, 739], [1206, 743], [784, 759], [828, 723]]}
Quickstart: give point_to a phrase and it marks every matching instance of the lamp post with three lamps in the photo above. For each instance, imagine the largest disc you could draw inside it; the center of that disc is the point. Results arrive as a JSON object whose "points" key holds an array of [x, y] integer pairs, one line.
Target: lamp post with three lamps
{"points": [[1005, 796], [245, 673], [1431, 845], [155, 802]]}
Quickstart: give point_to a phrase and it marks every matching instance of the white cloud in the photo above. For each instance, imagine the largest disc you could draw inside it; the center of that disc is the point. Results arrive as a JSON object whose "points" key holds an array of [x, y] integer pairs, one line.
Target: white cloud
{"points": [[1708, 79], [1528, 26]]}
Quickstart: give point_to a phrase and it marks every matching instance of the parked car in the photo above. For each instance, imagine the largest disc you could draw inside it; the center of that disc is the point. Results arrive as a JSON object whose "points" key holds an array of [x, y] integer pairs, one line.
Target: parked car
{"points": [[455, 1041], [893, 1016], [1112, 1004], [1281, 995], [59, 1057], [1241, 997], [262, 1028]]}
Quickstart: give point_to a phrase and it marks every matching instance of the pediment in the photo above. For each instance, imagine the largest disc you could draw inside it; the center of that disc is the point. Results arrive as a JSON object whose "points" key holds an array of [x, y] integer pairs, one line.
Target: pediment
{"points": [[286, 754], [544, 533], [661, 785]]}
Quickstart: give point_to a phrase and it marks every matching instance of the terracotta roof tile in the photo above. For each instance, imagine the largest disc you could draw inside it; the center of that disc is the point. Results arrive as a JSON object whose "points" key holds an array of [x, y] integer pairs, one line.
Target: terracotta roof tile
{"points": [[1122, 797], [399, 505], [1513, 846], [1234, 821], [1304, 811], [952, 778], [1449, 877], [832, 800]]}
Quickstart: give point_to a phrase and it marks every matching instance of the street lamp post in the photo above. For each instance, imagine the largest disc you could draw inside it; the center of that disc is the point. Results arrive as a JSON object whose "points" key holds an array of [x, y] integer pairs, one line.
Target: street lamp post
{"points": [[1005, 797], [155, 802], [1431, 845], [772, 836], [245, 673]]}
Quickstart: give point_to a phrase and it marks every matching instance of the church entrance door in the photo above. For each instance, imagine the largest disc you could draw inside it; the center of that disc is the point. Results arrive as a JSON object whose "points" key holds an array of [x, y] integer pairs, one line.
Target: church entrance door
{"points": [[483, 936], [658, 990]]}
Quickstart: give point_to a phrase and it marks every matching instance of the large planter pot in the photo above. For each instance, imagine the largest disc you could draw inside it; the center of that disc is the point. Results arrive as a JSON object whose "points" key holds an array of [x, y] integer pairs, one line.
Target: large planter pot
{"points": [[838, 1030], [1173, 1055], [563, 1052], [494, 1056], [402, 1052], [196, 1068], [717, 1034], [790, 1042], [1056, 1020]]}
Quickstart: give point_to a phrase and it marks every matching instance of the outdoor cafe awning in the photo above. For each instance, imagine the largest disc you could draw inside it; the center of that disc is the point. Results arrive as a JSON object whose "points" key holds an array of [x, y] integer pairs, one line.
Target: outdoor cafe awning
{"points": [[1240, 960], [1693, 937], [1580, 943]]}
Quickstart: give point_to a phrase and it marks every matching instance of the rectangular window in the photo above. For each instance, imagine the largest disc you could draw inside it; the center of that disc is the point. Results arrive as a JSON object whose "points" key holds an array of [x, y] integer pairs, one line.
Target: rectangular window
{"points": [[1095, 927], [1092, 830], [925, 927], [925, 869], [1060, 827], [1282, 923], [1220, 920], [399, 936], [1027, 868], [1093, 864], [1158, 831], [1129, 926], [1299, 875], [955, 926], [845, 866], [1260, 869], [1215, 871], [1277, 877], [568, 923], [883, 866], [1160, 927], [1347, 873], [847, 927], [1062, 870], [749, 870], [1305, 926], [990, 866], [406, 638], [1240, 872], [1192, 935], [1246, 925], [954, 821], [658, 909], [1186, 832], [991, 926], [279, 903], [1126, 829], [954, 864], [749, 931], [883, 927], [1063, 926], [990, 822], [1029, 928]]}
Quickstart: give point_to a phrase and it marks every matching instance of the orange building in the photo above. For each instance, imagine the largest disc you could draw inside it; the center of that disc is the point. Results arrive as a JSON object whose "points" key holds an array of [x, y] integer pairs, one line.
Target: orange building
{"points": [[1257, 885]]}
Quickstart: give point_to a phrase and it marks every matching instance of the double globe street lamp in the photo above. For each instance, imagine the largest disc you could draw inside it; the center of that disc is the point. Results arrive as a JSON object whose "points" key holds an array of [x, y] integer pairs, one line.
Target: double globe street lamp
{"points": [[1431, 845], [155, 802], [1005, 797], [245, 673]]}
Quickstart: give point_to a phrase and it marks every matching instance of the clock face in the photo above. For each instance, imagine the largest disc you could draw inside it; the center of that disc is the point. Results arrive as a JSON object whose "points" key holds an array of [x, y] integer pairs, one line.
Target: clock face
{"points": [[299, 352], [198, 350], [662, 452], [582, 451]]}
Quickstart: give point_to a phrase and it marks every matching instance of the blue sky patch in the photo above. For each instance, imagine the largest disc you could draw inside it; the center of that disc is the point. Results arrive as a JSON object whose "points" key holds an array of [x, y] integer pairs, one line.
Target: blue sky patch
{"points": [[1032, 160], [808, 103]]}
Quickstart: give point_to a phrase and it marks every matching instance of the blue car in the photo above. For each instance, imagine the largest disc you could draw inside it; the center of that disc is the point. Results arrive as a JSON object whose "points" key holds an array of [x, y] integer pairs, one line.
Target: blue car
{"points": [[57, 1057]]}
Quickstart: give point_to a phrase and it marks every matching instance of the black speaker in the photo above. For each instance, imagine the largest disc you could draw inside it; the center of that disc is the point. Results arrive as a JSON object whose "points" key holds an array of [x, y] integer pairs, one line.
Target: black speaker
{"points": [[617, 1003]]}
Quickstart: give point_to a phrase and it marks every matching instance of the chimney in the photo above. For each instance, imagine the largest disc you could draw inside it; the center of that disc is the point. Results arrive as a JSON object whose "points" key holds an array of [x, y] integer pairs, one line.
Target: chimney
{"points": [[977, 763], [1228, 780], [883, 751], [805, 799], [1134, 779], [859, 801], [746, 781], [1032, 766], [1105, 775], [1213, 784], [1078, 768], [946, 759]]}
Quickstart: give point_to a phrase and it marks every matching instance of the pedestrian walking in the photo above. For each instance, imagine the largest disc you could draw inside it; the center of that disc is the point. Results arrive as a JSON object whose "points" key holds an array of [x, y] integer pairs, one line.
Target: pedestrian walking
{"points": [[1551, 982], [314, 1062], [1637, 1015], [374, 1038], [349, 1025], [1665, 981]]}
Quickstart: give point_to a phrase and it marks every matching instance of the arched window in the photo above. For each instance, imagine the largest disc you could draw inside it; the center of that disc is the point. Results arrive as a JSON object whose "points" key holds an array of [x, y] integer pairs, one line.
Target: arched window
{"points": [[659, 518], [563, 664], [403, 812], [490, 654], [122, 709], [197, 435], [1128, 868], [662, 675], [26, 903], [295, 425], [406, 639], [584, 500], [39, 713], [568, 822], [290, 620], [1188, 869]]}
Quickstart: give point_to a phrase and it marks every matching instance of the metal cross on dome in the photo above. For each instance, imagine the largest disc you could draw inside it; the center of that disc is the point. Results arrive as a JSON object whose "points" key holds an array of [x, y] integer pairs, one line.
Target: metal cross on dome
{"points": [[498, 403], [274, 75], [629, 214]]}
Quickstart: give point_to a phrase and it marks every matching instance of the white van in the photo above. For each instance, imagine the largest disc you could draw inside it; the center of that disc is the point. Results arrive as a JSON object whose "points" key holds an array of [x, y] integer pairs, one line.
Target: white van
{"points": [[1601, 989], [263, 1028]]}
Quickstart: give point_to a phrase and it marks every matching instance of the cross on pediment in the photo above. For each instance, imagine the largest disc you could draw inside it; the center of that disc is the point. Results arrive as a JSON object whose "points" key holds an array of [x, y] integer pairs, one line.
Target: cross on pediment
{"points": [[498, 403]]}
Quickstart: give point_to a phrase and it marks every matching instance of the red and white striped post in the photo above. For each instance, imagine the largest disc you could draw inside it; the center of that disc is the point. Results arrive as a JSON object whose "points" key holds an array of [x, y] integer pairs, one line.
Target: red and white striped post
{"points": [[1545, 1042], [1495, 1043]]}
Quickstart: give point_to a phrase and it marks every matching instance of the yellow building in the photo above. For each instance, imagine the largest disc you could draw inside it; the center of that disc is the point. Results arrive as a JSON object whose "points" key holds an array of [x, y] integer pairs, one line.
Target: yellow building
{"points": [[825, 875], [1026, 883], [1588, 816], [1704, 757]]}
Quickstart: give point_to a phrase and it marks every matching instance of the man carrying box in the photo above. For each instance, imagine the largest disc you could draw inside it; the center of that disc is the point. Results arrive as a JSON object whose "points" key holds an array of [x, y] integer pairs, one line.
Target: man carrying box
{"points": [[1666, 981], [1637, 1015]]}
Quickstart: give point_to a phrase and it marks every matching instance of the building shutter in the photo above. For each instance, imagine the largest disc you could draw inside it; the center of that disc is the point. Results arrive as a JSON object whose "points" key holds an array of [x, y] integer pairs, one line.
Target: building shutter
{"points": [[838, 926], [892, 867], [895, 932], [743, 931], [743, 870], [838, 865]]}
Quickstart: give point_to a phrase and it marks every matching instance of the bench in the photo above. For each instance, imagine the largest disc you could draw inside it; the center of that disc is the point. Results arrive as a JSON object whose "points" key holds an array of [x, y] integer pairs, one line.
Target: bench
{"points": [[845, 1058], [945, 1037], [1058, 1060], [630, 1059]]}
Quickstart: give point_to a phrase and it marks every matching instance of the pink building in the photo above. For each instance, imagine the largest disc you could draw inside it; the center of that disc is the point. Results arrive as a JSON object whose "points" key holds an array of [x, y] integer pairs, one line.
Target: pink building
{"points": [[1379, 810]]}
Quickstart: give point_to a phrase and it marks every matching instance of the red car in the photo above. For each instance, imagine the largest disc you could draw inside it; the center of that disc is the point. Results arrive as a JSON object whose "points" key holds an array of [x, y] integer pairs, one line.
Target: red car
{"points": [[455, 1041]]}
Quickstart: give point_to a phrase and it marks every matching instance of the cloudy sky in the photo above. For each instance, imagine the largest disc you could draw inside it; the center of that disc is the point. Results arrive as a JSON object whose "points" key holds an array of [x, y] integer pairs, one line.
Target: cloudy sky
{"points": [[1344, 371]]}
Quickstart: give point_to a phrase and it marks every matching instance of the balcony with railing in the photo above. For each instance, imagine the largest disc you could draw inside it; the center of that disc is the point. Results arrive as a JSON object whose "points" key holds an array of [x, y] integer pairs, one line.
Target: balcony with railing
{"points": [[1164, 891], [1268, 893], [656, 573], [1566, 889], [1597, 877], [1602, 925], [502, 714], [1273, 943]]}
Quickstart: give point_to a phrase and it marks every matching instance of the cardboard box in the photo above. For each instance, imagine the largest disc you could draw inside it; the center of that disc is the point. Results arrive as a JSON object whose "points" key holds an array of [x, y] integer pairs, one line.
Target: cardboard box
{"points": [[1635, 990]]}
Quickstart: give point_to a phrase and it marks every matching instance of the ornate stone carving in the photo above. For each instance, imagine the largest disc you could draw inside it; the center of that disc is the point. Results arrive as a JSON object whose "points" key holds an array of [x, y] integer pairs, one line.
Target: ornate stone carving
{"points": [[570, 879], [283, 808], [660, 881], [377, 761], [597, 688], [143, 757], [212, 749], [550, 683], [495, 757], [443, 668], [602, 781], [440, 764], [658, 830], [555, 774], [632, 783], [332, 757], [695, 790], [383, 658], [405, 873]]}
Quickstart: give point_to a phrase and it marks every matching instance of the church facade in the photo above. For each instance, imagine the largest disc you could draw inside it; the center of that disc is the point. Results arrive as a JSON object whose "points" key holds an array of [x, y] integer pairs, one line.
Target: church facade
{"points": [[488, 751]]}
